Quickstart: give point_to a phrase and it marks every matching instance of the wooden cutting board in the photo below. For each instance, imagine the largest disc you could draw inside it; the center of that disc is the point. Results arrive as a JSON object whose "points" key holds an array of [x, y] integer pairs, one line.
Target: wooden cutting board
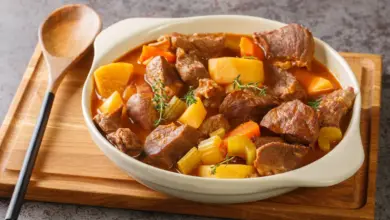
{"points": [[71, 169]]}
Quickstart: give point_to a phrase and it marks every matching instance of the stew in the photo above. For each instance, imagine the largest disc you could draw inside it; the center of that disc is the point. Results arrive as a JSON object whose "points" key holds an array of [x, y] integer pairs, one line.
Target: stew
{"points": [[223, 105]]}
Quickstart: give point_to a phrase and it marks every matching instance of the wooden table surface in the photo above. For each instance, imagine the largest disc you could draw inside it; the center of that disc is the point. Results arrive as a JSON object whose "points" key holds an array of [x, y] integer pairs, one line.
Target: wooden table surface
{"points": [[358, 26]]}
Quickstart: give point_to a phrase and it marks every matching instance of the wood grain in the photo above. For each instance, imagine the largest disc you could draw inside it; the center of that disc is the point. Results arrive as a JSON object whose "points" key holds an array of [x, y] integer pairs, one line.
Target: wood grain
{"points": [[65, 36], [71, 169]]}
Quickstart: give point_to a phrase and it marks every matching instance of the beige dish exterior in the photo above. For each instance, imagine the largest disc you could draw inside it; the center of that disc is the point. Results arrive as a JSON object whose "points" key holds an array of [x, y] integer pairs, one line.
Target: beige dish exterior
{"points": [[335, 167]]}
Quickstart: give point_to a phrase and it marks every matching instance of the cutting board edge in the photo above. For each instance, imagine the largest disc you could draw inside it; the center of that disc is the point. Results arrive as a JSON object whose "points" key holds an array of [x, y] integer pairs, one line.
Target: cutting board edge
{"points": [[16, 101]]}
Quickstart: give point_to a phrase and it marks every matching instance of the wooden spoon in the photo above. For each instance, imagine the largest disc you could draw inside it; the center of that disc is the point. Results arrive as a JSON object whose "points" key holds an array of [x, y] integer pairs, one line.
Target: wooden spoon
{"points": [[64, 36]]}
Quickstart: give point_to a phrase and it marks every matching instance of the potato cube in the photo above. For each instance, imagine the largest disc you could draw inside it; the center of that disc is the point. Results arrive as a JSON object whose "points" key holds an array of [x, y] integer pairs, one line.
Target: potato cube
{"points": [[112, 77], [111, 104], [194, 114], [224, 70]]}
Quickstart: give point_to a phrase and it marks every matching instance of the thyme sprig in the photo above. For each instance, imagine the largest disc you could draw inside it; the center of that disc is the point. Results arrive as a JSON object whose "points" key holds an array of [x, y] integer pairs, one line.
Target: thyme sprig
{"points": [[160, 99], [314, 104], [213, 168], [189, 97], [252, 86]]}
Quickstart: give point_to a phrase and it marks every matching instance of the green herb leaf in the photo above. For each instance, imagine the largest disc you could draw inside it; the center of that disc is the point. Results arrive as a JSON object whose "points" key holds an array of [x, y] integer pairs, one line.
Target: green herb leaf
{"points": [[213, 168], [160, 100], [252, 86], [314, 104], [189, 97]]}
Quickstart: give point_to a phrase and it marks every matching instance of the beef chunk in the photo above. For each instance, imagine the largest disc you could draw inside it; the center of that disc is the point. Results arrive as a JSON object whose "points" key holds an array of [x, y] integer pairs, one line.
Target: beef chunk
{"points": [[334, 106], [126, 141], [274, 158], [214, 123], [110, 122], [285, 86], [205, 46], [295, 120], [244, 105], [190, 68], [292, 45], [168, 143], [159, 70], [141, 110], [210, 92], [260, 141]]}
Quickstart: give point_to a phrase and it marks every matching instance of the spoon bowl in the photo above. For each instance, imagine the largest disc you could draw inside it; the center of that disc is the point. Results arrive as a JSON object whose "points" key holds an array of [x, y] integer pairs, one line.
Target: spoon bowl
{"points": [[69, 31], [65, 36]]}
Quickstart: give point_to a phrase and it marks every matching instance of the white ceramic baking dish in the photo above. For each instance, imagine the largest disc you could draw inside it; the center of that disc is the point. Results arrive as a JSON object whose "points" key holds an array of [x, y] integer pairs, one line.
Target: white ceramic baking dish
{"points": [[336, 166]]}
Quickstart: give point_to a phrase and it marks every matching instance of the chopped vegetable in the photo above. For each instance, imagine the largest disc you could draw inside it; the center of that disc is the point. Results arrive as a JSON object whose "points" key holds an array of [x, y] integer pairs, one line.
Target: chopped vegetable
{"points": [[242, 146], [189, 97], [219, 132], [190, 161], [111, 104], [248, 48], [252, 86], [175, 108], [149, 52], [314, 104], [146, 62], [129, 91], [124, 113], [313, 83], [112, 77], [160, 100], [327, 136], [233, 44], [225, 69], [163, 43], [231, 88], [319, 85], [225, 161], [209, 150], [250, 129], [226, 171], [194, 114]]}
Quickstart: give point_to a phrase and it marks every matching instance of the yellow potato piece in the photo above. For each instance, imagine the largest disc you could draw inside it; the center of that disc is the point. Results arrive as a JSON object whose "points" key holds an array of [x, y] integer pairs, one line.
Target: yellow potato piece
{"points": [[224, 70], [190, 161], [129, 91], [328, 135], [111, 104], [319, 85], [194, 114], [226, 171], [112, 77]]}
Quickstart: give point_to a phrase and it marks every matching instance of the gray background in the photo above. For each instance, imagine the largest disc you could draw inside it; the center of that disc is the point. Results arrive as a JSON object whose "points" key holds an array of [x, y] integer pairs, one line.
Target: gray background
{"points": [[355, 26]]}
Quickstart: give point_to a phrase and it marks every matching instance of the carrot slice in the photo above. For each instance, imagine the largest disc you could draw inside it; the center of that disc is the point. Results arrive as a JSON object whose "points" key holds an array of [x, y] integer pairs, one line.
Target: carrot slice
{"points": [[149, 52], [249, 129], [314, 84], [248, 48]]}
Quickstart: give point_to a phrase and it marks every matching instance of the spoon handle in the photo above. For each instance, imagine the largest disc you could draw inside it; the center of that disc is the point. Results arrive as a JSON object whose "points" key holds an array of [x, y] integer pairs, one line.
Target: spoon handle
{"points": [[29, 160]]}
